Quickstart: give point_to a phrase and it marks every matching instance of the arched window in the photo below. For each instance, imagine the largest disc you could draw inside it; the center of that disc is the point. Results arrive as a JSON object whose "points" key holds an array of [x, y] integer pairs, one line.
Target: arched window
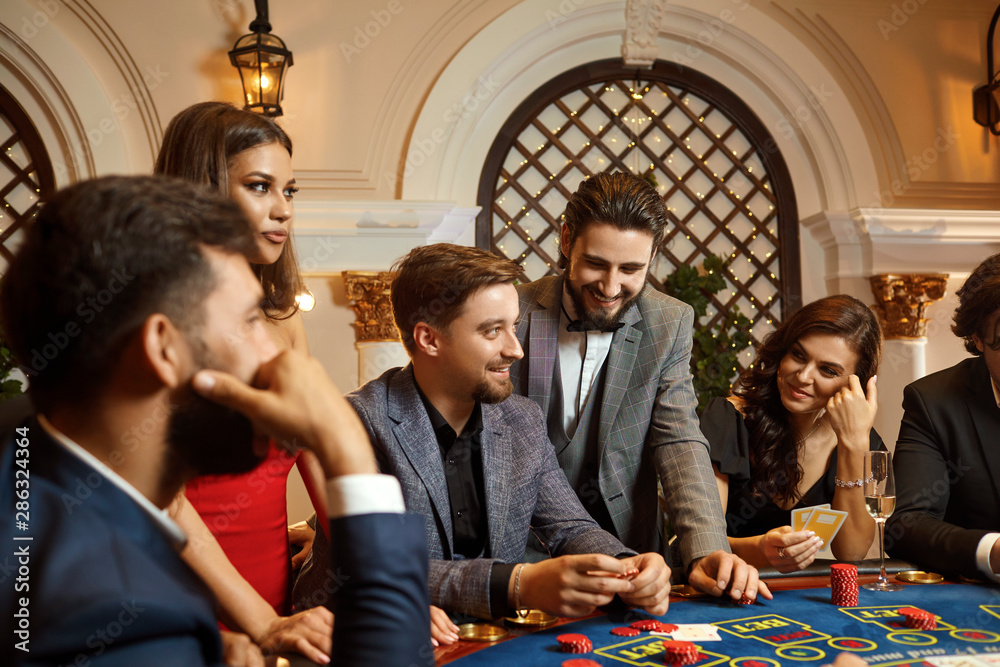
{"points": [[725, 183], [26, 177]]}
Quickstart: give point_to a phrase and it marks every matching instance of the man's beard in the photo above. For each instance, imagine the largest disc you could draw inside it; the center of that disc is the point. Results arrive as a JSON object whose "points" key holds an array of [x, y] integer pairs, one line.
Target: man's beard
{"points": [[599, 318], [206, 438], [489, 392]]}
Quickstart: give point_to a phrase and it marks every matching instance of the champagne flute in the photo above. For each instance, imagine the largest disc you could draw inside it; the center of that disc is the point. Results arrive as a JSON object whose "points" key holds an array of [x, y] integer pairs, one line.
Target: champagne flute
{"points": [[880, 501]]}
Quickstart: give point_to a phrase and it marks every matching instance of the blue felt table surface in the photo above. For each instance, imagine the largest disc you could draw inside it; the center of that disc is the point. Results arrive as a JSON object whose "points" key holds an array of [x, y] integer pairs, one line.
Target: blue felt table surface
{"points": [[798, 627]]}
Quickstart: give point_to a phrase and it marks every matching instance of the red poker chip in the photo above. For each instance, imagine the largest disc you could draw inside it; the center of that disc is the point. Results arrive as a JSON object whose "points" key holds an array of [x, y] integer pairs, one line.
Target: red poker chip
{"points": [[918, 618], [667, 627], [745, 600], [680, 653], [646, 624], [580, 662], [572, 638], [625, 632], [577, 648]]}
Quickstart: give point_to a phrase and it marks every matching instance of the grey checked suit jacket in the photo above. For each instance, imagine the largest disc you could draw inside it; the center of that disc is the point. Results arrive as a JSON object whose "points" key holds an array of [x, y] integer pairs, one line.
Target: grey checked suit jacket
{"points": [[524, 487], [649, 426]]}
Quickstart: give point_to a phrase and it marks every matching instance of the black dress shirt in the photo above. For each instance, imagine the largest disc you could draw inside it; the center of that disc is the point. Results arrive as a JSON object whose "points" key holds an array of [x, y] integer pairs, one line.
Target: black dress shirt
{"points": [[462, 457]]}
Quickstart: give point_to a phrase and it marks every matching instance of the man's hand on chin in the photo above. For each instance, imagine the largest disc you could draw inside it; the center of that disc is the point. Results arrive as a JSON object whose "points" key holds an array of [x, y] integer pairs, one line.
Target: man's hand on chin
{"points": [[721, 572], [295, 402]]}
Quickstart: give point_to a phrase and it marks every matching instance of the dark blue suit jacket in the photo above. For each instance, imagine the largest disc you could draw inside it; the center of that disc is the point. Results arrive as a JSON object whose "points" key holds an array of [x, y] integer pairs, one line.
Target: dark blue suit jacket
{"points": [[103, 582]]}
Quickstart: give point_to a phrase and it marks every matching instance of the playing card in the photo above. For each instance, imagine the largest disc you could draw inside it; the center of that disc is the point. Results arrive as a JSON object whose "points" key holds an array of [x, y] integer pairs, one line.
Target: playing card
{"points": [[825, 523], [693, 632], [801, 515]]}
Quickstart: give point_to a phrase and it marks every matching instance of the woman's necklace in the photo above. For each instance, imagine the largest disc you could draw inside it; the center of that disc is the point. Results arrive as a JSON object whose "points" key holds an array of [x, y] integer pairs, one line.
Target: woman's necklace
{"points": [[819, 422]]}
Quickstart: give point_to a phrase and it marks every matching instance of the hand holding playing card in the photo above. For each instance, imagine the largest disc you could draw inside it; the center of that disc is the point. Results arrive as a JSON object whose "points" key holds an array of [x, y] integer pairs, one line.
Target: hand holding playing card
{"points": [[787, 550]]}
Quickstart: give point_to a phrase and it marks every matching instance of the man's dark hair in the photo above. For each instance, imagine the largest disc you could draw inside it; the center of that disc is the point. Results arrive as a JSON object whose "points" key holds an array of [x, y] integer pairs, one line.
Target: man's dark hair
{"points": [[434, 282], [623, 200], [978, 300], [103, 256]]}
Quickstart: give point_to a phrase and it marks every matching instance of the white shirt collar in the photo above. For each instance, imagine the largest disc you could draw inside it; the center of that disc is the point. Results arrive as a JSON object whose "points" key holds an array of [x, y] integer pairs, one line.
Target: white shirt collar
{"points": [[159, 517]]}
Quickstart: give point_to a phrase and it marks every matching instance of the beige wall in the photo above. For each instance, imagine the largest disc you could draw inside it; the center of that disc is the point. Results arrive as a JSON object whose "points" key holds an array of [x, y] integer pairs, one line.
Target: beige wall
{"points": [[869, 101]]}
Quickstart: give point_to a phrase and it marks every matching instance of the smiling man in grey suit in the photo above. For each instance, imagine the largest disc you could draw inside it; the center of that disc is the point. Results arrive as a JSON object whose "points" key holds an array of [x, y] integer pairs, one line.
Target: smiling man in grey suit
{"points": [[476, 462], [607, 359]]}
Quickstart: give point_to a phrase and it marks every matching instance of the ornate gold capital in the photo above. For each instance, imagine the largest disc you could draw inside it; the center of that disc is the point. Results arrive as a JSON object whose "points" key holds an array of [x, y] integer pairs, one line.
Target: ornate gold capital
{"points": [[901, 300], [370, 292]]}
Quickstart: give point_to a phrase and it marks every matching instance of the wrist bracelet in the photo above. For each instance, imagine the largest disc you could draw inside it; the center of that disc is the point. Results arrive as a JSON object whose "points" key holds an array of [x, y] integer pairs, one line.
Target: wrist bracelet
{"points": [[851, 484], [517, 593]]}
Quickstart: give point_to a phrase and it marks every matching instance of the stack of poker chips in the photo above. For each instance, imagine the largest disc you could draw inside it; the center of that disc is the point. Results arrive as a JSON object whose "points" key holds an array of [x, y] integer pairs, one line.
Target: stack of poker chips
{"points": [[918, 619], [574, 643], [652, 625], [679, 654], [844, 583]]}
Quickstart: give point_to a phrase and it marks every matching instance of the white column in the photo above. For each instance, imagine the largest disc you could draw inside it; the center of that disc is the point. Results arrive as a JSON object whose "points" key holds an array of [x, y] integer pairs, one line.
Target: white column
{"points": [[376, 357], [902, 363]]}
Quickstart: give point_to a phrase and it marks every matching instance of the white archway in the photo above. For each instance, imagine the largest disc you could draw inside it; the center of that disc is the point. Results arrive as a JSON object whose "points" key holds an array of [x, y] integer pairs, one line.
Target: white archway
{"points": [[814, 122], [61, 61]]}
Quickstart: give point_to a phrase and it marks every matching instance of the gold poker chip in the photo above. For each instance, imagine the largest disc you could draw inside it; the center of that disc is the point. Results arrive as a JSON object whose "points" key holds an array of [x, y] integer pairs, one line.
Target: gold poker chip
{"points": [[919, 577]]}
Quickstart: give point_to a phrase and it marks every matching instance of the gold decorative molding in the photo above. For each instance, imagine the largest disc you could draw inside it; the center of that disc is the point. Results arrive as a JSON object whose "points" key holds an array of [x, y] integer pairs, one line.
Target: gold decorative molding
{"points": [[373, 311], [901, 301]]}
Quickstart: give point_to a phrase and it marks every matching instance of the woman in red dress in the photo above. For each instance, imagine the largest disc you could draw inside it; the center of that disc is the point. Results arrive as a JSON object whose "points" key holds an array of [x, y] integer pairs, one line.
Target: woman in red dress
{"points": [[248, 157]]}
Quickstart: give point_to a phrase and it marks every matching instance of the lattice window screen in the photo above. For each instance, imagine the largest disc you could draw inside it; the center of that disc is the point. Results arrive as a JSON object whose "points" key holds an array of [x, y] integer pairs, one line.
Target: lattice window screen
{"points": [[715, 178], [25, 176]]}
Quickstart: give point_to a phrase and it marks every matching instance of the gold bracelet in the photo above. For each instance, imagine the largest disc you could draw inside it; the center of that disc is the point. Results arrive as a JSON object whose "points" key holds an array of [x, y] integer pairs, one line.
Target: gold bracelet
{"points": [[517, 593]]}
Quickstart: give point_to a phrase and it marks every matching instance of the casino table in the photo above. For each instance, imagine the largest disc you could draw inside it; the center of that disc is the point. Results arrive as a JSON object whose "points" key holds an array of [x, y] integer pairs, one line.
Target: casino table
{"points": [[800, 626]]}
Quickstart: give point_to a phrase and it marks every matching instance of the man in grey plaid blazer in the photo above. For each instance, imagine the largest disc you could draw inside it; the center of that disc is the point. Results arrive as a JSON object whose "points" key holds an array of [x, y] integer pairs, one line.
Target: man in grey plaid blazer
{"points": [[475, 460], [607, 360]]}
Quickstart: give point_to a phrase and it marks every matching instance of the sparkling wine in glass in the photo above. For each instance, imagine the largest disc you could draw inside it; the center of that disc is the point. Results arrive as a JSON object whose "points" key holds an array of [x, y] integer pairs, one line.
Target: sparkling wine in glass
{"points": [[880, 501]]}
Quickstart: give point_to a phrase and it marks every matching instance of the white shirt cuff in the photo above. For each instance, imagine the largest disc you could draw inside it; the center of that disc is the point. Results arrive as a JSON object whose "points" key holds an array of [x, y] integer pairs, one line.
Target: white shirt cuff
{"points": [[983, 556], [349, 495]]}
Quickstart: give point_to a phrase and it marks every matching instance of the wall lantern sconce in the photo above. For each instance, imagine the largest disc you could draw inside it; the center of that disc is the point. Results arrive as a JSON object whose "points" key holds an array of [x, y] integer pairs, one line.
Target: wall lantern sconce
{"points": [[261, 59], [986, 99]]}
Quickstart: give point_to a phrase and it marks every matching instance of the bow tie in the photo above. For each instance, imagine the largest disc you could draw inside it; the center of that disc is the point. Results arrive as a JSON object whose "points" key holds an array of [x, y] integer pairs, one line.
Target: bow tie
{"points": [[580, 325]]}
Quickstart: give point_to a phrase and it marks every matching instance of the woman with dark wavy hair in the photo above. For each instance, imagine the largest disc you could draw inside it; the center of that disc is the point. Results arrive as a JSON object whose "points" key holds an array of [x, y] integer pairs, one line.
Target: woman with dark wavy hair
{"points": [[238, 524], [795, 433]]}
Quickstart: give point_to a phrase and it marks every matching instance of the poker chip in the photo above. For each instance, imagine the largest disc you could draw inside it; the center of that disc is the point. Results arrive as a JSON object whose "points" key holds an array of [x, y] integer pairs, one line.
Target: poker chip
{"points": [[625, 632], [918, 619], [646, 624], [745, 600], [844, 585], [679, 654], [580, 662], [667, 627], [574, 643]]}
